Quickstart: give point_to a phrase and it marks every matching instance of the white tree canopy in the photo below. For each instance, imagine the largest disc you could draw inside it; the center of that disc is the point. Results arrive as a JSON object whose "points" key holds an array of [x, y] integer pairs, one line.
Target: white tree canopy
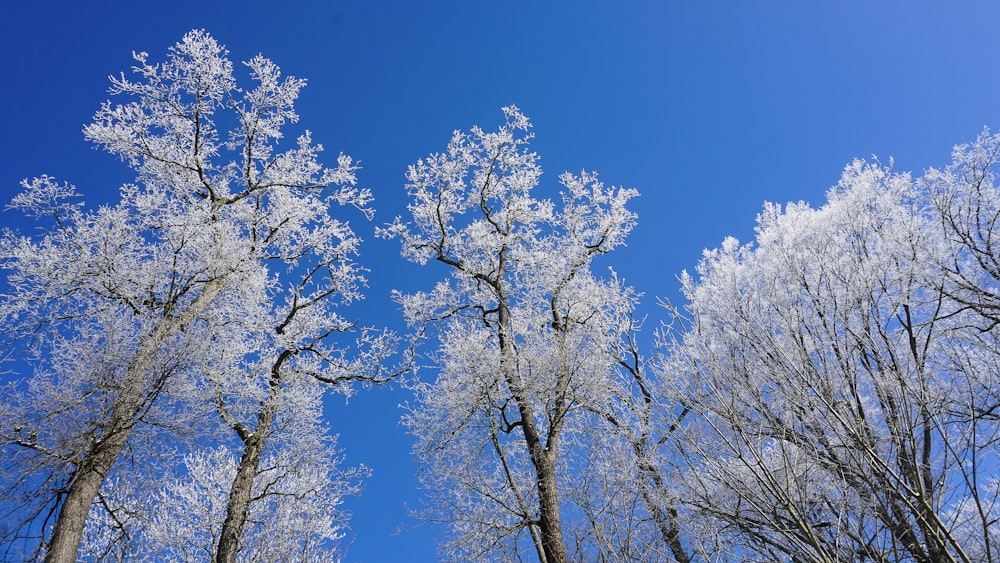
{"points": [[525, 333], [220, 259], [838, 390]]}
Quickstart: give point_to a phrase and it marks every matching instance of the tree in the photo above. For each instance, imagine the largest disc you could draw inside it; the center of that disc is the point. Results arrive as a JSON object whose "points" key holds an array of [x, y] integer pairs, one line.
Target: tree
{"points": [[634, 512], [218, 212], [965, 201], [264, 390], [837, 389], [525, 332]]}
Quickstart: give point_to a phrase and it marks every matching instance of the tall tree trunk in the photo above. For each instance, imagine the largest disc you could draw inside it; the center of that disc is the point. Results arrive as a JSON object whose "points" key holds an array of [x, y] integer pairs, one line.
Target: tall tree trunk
{"points": [[544, 461], [542, 458], [241, 490], [97, 461], [239, 501], [549, 521], [665, 517], [84, 486]]}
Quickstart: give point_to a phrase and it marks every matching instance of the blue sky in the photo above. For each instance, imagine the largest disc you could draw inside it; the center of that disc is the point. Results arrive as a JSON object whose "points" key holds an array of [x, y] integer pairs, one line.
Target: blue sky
{"points": [[708, 108]]}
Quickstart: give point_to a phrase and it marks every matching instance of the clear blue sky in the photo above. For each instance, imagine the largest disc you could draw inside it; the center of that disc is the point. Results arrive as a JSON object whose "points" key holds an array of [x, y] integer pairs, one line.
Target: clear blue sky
{"points": [[708, 108]]}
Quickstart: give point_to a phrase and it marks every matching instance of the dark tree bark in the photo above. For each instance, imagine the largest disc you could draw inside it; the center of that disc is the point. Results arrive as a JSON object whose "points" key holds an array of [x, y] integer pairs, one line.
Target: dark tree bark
{"points": [[241, 491]]}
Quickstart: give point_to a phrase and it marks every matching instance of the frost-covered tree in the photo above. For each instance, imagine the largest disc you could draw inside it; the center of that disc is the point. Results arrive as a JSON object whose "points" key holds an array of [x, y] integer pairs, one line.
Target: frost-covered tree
{"points": [[525, 335], [628, 494], [839, 387], [122, 306], [267, 392], [965, 199]]}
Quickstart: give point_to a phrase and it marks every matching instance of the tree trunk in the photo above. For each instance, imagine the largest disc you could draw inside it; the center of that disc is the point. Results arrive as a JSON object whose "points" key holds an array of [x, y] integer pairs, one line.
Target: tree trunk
{"points": [[97, 461], [84, 486], [239, 501], [242, 488], [549, 522], [542, 458]]}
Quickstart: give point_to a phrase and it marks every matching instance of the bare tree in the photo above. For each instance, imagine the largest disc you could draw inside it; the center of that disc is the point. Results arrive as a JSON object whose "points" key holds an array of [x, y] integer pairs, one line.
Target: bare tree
{"points": [[836, 390], [524, 331], [639, 419], [217, 211], [965, 201]]}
